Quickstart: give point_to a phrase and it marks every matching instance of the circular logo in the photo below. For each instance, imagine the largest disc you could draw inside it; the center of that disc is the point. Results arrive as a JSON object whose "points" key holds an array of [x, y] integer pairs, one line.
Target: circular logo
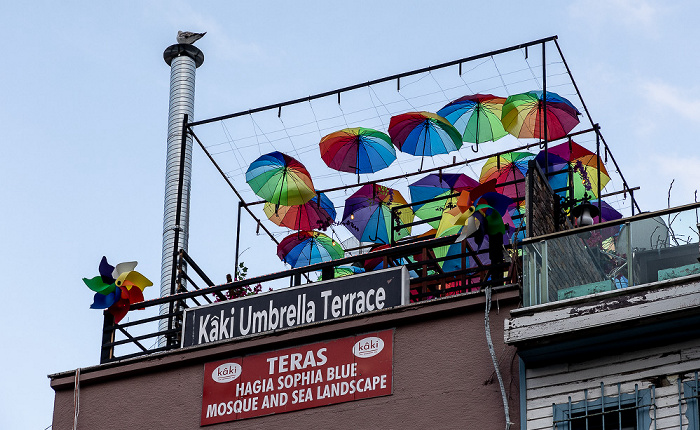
{"points": [[368, 347], [226, 372]]}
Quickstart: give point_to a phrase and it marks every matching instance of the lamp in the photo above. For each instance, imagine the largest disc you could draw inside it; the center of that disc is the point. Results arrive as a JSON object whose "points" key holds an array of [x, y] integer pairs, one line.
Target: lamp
{"points": [[583, 214]]}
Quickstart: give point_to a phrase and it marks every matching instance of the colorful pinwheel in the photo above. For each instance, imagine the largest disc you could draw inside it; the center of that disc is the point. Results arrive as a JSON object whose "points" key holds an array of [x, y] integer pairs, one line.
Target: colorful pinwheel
{"points": [[436, 186], [280, 180], [117, 287], [367, 214], [523, 115], [505, 169], [316, 214], [357, 150], [423, 134], [570, 159], [477, 117], [308, 247]]}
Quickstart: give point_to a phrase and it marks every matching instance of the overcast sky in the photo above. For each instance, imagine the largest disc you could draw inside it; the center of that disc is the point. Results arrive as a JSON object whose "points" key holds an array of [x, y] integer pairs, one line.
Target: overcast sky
{"points": [[84, 100]]}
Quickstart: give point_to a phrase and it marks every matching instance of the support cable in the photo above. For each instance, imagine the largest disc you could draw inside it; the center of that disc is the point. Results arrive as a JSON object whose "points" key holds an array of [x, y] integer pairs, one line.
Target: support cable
{"points": [[489, 341]]}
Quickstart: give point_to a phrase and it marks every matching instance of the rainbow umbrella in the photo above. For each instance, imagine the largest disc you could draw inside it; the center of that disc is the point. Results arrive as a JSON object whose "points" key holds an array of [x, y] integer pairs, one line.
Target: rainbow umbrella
{"points": [[523, 115], [357, 150], [316, 214], [505, 168], [423, 134], [280, 179], [570, 158], [367, 214], [438, 186], [308, 247], [477, 117]]}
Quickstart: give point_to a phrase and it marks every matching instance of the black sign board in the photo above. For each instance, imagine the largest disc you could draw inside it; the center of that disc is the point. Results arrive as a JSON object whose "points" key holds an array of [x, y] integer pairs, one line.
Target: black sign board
{"points": [[292, 307]]}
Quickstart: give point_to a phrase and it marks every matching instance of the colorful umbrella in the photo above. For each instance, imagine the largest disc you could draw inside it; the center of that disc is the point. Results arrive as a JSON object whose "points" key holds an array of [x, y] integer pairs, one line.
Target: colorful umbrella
{"points": [[377, 263], [357, 150], [341, 271], [367, 214], [436, 186], [423, 134], [570, 158], [316, 214], [508, 167], [476, 117], [523, 115], [280, 180], [607, 212], [308, 247]]}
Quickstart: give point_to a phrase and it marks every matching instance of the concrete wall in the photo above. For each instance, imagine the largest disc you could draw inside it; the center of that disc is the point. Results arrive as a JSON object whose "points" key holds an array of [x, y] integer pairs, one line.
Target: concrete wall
{"points": [[442, 370]]}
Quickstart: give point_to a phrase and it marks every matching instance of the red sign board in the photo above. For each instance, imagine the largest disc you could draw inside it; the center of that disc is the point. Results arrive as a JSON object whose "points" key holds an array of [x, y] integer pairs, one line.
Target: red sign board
{"points": [[319, 374]]}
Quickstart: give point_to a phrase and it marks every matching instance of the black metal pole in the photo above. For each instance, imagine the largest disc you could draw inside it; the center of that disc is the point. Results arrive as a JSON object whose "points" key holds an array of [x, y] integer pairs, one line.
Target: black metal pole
{"points": [[238, 238], [106, 353], [544, 106]]}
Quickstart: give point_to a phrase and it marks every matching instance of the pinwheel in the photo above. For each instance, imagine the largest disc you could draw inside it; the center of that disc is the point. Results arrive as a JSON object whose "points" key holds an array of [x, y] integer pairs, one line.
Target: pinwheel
{"points": [[357, 150], [436, 186], [509, 169], [367, 214], [117, 287], [308, 247], [572, 160], [523, 115], [423, 134], [280, 180], [316, 214], [476, 117]]}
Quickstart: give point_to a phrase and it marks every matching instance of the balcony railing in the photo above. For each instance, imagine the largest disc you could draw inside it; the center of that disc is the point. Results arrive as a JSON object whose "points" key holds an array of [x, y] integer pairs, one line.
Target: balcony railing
{"points": [[645, 248]]}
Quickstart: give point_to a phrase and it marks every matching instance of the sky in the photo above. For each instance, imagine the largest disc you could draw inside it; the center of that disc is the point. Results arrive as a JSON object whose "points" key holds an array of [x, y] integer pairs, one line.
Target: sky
{"points": [[84, 102]]}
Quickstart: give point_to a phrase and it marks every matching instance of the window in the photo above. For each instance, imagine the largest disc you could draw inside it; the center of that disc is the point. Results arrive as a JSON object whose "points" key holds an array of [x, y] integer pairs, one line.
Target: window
{"points": [[690, 396], [622, 411]]}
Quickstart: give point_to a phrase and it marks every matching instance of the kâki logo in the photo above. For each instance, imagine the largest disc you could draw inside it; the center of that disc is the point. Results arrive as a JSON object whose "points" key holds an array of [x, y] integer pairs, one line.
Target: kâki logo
{"points": [[368, 347], [226, 372]]}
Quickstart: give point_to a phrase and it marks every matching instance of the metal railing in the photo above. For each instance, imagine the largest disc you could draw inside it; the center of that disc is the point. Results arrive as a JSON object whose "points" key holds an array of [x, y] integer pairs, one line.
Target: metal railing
{"points": [[637, 250]]}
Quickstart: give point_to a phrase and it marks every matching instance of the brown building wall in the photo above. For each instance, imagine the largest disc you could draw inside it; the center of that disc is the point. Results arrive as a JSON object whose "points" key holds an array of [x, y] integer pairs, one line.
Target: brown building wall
{"points": [[442, 370]]}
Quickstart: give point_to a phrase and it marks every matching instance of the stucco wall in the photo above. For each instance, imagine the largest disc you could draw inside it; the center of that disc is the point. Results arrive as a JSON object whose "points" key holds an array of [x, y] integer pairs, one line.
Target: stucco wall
{"points": [[443, 377]]}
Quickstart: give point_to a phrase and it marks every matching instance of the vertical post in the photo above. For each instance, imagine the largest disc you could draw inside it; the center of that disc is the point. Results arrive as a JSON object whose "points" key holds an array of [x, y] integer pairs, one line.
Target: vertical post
{"points": [[238, 240], [544, 106], [183, 60], [107, 353]]}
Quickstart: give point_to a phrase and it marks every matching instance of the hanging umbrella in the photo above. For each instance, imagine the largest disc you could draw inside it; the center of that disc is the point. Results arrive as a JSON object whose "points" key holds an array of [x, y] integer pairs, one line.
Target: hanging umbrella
{"points": [[570, 158], [357, 150], [424, 134], [367, 214], [280, 179], [308, 247], [476, 117], [607, 212], [341, 271], [523, 115], [435, 186], [508, 167], [377, 263], [316, 214]]}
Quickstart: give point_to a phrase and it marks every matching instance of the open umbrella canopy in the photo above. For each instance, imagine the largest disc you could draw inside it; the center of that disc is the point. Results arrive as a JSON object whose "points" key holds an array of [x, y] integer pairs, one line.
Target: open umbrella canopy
{"points": [[477, 117], [341, 271], [280, 179], [523, 115], [505, 168], [308, 247], [316, 214], [438, 186], [357, 150], [367, 214], [423, 134], [577, 167]]}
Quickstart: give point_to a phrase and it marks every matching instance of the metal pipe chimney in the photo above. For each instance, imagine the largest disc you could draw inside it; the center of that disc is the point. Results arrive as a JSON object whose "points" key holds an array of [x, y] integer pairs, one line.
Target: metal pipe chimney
{"points": [[183, 60]]}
